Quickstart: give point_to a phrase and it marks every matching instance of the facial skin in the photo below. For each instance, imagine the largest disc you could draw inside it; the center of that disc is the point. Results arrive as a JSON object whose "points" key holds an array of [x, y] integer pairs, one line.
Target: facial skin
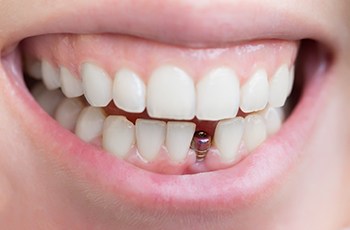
{"points": [[44, 187]]}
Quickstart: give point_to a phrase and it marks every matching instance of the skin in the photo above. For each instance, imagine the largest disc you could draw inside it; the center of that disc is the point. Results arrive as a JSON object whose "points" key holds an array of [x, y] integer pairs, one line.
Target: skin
{"points": [[38, 191]]}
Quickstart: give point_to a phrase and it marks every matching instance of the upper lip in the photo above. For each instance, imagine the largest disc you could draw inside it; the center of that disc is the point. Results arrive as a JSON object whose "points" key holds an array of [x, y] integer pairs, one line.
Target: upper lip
{"points": [[181, 22]]}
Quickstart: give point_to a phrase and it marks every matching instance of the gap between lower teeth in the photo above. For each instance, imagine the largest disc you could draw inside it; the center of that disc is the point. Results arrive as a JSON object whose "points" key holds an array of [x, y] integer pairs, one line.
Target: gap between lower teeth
{"points": [[147, 139]]}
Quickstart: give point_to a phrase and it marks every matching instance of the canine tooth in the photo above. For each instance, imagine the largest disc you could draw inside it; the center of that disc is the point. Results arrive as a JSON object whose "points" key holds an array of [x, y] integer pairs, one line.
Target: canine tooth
{"points": [[71, 86], [228, 136], [47, 99], [218, 95], [273, 119], [33, 68], [97, 85], [279, 87], [150, 136], [255, 92], [118, 135], [67, 113], [171, 94], [90, 123], [178, 139], [255, 131], [129, 91], [51, 76]]}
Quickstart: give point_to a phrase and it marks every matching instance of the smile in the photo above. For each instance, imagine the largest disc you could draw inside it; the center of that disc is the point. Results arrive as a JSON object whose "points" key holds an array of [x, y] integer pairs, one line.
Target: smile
{"points": [[172, 121], [142, 107]]}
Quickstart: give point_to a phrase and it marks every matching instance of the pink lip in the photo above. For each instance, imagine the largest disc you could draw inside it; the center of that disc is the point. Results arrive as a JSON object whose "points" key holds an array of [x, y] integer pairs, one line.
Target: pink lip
{"points": [[254, 178]]}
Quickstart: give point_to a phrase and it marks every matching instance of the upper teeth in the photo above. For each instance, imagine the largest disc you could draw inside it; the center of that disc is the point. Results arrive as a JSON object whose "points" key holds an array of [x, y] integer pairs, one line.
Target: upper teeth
{"points": [[71, 86], [171, 93], [129, 91], [218, 95], [255, 92], [97, 85], [50, 75]]}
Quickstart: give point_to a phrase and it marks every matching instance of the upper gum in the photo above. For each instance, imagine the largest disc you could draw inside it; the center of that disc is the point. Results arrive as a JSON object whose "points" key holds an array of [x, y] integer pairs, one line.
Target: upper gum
{"points": [[113, 52]]}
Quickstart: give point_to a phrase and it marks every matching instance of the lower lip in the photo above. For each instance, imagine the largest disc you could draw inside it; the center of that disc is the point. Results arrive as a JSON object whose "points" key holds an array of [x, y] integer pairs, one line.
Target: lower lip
{"points": [[256, 176]]}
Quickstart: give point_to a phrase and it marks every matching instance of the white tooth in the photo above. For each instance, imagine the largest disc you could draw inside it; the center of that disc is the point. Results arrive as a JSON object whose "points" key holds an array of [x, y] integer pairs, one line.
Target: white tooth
{"points": [[171, 94], [33, 68], [255, 92], [51, 76], [67, 113], [150, 136], [178, 139], [218, 95], [273, 118], [90, 123], [47, 99], [279, 87], [129, 91], [97, 85], [71, 85], [291, 80], [227, 138], [118, 135], [255, 131]]}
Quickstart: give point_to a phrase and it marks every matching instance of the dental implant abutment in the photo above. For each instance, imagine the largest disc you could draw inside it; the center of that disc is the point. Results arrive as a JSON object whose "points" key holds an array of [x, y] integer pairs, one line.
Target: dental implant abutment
{"points": [[201, 144]]}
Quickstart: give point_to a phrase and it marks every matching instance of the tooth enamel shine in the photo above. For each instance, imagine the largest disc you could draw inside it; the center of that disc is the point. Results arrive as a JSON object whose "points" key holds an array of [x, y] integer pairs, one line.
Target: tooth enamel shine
{"points": [[118, 135], [178, 139], [97, 85], [227, 138], [71, 86], [279, 87], [255, 131], [255, 92], [171, 94], [129, 91], [90, 123], [218, 95], [273, 119], [150, 136], [50, 74]]}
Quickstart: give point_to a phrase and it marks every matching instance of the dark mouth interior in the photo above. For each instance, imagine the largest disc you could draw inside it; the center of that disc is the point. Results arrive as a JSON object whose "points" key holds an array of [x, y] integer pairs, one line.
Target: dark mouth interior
{"points": [[313, 60]]}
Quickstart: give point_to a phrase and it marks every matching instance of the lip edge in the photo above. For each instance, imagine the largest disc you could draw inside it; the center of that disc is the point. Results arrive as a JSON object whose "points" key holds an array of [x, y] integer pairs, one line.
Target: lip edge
{"points": [[313, 29], [213, 197]]}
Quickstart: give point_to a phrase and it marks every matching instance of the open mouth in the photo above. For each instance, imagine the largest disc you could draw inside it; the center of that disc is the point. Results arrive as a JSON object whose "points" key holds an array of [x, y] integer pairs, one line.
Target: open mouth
{"points": [[161, 123], [164, 116], [149, 107]]}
